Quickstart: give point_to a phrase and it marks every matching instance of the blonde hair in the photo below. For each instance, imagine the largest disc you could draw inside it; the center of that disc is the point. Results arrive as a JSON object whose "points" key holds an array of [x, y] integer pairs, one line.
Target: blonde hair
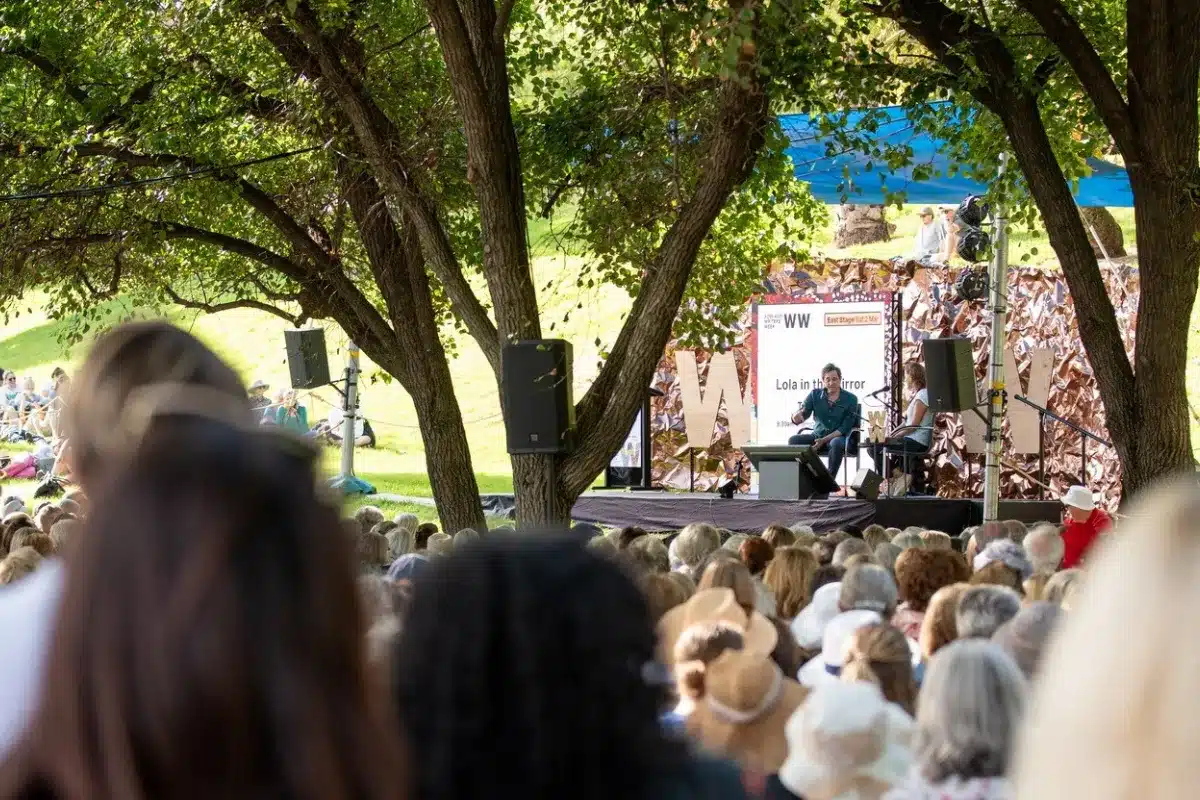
{"points": [[789, 577], [875, 535], [778, 536], [805, 539], [1035, 588], [439, 543], [1061, 587], [879, 654], [938, 628], [1120, 675], [937, 540], [19, 563]]}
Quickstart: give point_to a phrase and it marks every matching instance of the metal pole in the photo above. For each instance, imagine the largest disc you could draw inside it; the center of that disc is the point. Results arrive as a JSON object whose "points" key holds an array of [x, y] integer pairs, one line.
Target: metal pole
{"points": [[350, 407], [1041, 453], [998, 280]]}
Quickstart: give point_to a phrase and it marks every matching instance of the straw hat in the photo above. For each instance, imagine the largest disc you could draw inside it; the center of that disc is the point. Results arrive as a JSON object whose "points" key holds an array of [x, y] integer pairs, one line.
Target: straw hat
{"points": [[846, 741], [715, 605], [809, 625], [826, 667], [1079, 497], [746, 703]]}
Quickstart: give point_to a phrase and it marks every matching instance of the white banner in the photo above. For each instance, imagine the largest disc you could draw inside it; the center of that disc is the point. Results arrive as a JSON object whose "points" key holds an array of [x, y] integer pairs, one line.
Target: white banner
{"points": [[630, 454], [793, 341]]}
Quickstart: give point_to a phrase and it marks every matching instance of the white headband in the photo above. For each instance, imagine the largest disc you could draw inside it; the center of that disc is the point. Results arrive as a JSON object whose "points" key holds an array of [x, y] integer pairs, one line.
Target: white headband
{"points": [[735, 716]]}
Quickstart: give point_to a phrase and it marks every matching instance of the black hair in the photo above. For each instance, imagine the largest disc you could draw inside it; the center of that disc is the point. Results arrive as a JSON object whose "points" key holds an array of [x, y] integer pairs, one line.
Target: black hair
{"points": [[831, 367], [522, 669]]}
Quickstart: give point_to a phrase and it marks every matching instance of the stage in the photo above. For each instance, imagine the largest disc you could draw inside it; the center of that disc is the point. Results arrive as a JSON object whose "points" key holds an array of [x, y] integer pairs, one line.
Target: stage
{"points": [[670, 511]]}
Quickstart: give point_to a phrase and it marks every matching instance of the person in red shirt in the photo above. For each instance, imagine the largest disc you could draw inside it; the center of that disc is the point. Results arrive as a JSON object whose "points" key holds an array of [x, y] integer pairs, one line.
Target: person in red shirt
{"points": [[1084, 524]]}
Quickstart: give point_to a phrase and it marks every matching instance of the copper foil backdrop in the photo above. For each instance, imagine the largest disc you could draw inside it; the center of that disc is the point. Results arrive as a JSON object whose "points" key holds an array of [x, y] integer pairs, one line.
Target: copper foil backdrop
{"points": [[1041, 314]]}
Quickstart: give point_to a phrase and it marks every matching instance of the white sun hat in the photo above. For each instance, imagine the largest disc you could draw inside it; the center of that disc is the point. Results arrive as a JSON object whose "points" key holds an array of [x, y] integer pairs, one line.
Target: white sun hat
{"points": [[809, 625], [1079, 497], [847, 740], [827, 666]]}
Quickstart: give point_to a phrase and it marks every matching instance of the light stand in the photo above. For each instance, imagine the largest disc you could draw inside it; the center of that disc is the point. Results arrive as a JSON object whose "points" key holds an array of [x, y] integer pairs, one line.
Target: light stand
{"points": [[997, 396]]}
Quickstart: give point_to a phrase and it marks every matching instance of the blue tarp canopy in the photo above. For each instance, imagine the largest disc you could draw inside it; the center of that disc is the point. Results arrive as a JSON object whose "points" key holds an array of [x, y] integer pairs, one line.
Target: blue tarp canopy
{"points": [[810, 151]]}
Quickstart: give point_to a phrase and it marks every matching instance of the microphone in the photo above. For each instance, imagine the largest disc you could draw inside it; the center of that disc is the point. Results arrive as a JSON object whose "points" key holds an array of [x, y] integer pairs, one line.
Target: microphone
{"points": [[879, 391]]}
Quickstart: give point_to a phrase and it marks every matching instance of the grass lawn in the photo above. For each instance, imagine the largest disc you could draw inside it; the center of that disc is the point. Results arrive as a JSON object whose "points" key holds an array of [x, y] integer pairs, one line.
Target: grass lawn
{"points": [[253, 343]]}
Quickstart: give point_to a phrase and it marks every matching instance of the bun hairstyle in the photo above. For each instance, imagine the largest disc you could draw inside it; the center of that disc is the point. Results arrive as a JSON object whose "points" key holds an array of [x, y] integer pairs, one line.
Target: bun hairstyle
{"points": [[123, 360], [698, 646], [879, 654]]}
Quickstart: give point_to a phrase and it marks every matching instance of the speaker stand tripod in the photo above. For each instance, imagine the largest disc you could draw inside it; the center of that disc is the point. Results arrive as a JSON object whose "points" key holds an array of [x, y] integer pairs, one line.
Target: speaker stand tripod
{"points": [[346, 480]]}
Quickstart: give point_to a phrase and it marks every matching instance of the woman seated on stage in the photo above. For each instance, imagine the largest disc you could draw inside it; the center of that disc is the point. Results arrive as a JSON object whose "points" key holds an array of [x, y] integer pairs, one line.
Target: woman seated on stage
{"points": [[916, 435]]}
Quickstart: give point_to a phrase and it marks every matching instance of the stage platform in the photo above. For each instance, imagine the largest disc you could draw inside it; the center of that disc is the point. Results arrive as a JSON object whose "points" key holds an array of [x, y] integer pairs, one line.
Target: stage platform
{"points": [[670, 511]]}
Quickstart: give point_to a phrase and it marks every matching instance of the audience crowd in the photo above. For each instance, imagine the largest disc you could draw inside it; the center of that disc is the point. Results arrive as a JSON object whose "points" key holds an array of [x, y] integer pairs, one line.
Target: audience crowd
{"points": [[192, 619]]}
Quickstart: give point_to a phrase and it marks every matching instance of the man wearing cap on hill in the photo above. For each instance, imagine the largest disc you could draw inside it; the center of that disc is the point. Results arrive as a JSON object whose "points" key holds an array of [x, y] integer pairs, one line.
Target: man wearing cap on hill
{"points": [[927, 244], [1084, 524]]}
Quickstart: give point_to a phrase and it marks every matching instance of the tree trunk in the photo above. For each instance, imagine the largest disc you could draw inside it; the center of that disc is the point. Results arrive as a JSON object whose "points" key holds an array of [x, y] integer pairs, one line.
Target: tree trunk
{"points": [[1108, 240], [447, 455], [861, 224], [542, 504]]}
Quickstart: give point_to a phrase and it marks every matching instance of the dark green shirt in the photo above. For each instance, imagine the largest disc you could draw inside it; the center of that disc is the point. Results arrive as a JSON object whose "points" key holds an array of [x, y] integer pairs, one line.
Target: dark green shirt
{"points": [[841, 416]]}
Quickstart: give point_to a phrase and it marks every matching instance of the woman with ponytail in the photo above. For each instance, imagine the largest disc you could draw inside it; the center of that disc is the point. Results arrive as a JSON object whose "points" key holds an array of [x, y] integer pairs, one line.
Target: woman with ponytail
{"points": [[880, 654]]}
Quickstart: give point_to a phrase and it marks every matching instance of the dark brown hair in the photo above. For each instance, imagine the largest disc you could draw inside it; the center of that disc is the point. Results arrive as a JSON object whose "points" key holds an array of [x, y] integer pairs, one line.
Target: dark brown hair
{"points": [[210, 639], [422, 534]]}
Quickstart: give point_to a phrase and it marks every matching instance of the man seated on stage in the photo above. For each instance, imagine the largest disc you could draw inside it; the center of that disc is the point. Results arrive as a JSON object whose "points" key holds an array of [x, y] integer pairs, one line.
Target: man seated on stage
{"points": [[835, 414]]}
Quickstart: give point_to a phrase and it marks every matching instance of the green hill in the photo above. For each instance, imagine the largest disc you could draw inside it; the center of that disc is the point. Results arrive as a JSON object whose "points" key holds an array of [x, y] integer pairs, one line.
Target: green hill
{"points": [[253, 342]]}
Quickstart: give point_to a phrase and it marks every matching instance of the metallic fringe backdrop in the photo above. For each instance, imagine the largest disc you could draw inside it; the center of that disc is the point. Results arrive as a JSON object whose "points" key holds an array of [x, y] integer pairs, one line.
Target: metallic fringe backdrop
{"points": [[1041, 314]]}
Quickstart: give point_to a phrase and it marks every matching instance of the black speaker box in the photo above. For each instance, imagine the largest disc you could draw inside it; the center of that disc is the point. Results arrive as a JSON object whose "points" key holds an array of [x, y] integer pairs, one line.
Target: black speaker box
{"points": [[866, 484], [539, 404], [950, 374], [307, 359]]}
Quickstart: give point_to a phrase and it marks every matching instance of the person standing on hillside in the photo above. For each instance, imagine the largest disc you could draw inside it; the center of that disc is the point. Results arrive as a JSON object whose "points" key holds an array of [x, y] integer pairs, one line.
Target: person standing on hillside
{"points": [[1084, 524]]}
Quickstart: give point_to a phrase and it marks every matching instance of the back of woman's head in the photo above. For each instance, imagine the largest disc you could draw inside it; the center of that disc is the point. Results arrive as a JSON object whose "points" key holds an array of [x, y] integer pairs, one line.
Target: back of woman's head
{"points": [[662, 593], [920, 572], [123, 360], [789, 576], [972, 702], [209, 642], [880, 654], [731, 575], [523, 665], [939, 627], [756, 554], [778, 536]]}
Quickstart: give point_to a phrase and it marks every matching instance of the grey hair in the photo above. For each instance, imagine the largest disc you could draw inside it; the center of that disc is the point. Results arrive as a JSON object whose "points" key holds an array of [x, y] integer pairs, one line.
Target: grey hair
{"points": [[408, 521], [983, 609], [800, 527], [847, 548], [1016, 530], [734, 542], [987, 533], [695, 542], [465, 536], [1024, 637], [886, 554], [1062, 586], [972, 699], [1007, 552], [868, 587], [439, 543], [908, 540], [1045, 548]]}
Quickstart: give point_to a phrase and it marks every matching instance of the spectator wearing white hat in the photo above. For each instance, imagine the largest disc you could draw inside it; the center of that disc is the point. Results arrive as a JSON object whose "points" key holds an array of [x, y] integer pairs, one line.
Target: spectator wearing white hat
{"points": [[809, 625], [258, 395], [845, 743], [835, 646], [1084, 524]]}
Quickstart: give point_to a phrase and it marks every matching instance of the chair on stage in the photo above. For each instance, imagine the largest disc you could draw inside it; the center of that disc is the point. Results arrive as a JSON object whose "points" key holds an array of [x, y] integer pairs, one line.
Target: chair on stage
{"points": [[852, 446], [914, 481]]}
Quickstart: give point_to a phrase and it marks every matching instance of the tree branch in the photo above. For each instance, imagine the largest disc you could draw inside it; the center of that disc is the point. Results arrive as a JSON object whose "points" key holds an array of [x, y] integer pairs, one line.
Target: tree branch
{"points": [[1064, 32], [379, 140], [215, 308], [50, 70], [610, 403]]}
